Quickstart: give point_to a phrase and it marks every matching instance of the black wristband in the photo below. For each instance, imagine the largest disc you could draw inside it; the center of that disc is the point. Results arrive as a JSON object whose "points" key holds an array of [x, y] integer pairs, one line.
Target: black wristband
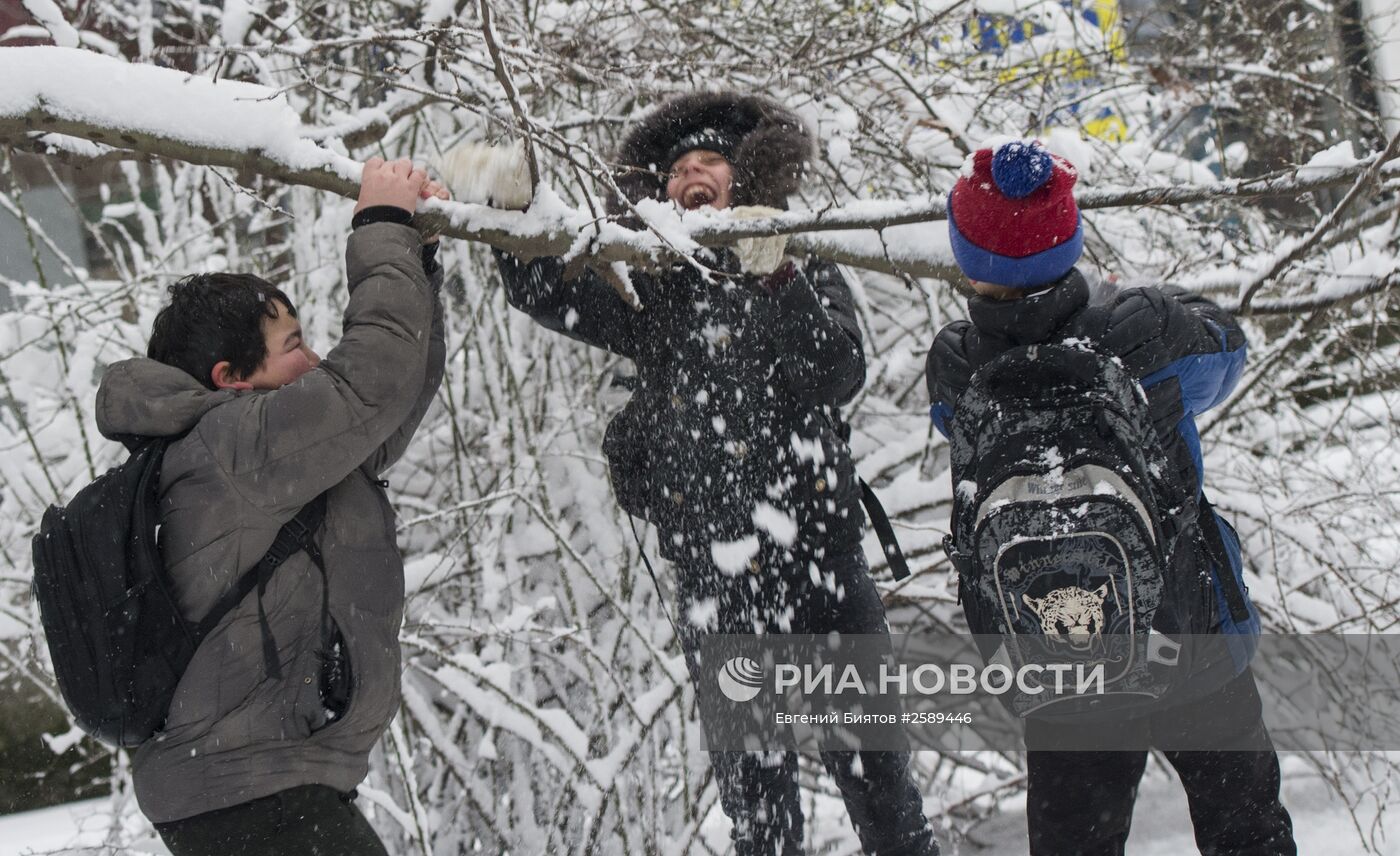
{"points": [[429, 257], [381, 214]]}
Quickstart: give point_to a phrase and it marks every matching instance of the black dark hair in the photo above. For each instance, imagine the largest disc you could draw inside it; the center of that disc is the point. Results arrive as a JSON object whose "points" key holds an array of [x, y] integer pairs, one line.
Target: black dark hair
{"points": [[213, 317]]}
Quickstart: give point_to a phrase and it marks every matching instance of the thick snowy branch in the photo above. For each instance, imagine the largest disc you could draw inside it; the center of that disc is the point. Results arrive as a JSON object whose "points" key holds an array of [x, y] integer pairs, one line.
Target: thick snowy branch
{"points": [[17, 130], [71, 96], [83, 95]]}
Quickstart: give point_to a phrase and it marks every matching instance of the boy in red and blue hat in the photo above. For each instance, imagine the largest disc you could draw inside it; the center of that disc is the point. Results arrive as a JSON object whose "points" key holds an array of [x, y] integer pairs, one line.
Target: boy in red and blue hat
{"points": [[1012, 220], [1017, 234]]}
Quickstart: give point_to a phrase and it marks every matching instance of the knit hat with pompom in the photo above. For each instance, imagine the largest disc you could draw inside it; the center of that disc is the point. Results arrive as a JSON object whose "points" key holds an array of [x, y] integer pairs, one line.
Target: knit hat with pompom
{"points": [[1012, 218]]}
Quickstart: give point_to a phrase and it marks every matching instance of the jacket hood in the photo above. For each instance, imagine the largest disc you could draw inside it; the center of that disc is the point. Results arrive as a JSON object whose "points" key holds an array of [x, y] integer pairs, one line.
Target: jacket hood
{"points": [[143, 398], [770, 147]]}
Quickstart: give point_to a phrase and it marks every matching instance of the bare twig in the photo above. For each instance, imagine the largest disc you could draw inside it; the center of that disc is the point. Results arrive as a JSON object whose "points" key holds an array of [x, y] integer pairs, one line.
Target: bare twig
{"points": [[1297, 305], [1365, 180], [503, 75]]}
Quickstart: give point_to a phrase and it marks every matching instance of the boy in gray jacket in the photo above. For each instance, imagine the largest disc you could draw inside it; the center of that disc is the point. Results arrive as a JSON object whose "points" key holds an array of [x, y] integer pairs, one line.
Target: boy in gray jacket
{"points": [[271, 727]]}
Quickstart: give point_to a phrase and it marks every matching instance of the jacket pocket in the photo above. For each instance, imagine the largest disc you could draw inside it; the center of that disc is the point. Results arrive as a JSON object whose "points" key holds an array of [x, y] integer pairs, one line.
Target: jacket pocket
{"points": [[337, 678], [323, 689], [828, 489]]}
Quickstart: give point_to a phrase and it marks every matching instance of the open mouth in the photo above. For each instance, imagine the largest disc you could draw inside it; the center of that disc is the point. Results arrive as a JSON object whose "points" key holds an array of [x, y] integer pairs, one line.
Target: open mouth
{"points": [[696, 196]]}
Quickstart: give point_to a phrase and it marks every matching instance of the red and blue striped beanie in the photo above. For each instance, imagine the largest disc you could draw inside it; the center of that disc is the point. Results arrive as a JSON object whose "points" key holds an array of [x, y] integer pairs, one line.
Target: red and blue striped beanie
{"points": [[1012, 218]]}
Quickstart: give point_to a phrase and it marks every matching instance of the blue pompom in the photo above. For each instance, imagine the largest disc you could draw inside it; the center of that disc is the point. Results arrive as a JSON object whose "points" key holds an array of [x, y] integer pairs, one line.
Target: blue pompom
{"points": [[1021, 168]]}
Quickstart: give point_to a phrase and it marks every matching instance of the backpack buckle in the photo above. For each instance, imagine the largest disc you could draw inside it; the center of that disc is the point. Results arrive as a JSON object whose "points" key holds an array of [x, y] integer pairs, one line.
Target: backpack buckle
{"points": [[962, 562], [297, 530]]}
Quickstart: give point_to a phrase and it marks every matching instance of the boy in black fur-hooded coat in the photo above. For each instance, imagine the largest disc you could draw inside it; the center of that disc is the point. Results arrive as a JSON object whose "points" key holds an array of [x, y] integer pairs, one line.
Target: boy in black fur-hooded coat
{"points": [[729, 444]]}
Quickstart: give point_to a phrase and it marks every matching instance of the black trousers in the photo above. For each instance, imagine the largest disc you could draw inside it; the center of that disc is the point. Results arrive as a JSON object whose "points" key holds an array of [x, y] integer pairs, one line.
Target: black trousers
{"points": [[312, 820], [758, 790], [1081, 803]]}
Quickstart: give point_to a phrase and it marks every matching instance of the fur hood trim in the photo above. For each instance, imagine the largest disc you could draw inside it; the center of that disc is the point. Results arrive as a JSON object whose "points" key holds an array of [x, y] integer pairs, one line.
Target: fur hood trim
{"points": [[770, 156]]}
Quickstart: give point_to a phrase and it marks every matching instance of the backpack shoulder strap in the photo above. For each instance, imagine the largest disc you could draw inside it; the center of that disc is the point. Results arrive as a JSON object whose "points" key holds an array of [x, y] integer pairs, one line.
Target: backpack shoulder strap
{"points": [[899, 567], [661, 597], [879, 520], [1235, 598], [294, 536]]}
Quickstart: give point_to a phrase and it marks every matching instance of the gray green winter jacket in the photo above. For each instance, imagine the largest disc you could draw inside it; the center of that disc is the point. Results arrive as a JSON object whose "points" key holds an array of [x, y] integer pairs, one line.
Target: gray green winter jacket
{"points": [[248, 464]]}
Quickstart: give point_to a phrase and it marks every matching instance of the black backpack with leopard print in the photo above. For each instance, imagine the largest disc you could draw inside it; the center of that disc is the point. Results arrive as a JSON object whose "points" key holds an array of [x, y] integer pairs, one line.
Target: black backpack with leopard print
{"points": [[1072, 541]]}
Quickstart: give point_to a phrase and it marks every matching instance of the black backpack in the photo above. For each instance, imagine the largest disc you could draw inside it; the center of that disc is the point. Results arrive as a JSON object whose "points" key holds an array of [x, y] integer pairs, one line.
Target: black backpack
{"points": [[116, 636], [1073, 543]]}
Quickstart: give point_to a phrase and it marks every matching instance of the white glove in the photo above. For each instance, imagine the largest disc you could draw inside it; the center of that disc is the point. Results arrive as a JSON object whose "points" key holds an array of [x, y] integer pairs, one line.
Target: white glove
{"points": [[491, 175], [762, 255]]}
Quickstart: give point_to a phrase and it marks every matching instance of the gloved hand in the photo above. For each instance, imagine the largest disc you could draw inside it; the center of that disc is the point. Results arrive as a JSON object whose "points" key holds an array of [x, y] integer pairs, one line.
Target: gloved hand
{"points": [[492, 175], [762, 255]]}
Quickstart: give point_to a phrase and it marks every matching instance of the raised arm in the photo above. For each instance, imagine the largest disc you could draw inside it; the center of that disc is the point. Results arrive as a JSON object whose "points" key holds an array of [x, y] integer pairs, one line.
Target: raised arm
{"points": [[815, 332], [947, 372], [282, 447], [1167, 333], [393, 448], [285, 446], [584, 308]]}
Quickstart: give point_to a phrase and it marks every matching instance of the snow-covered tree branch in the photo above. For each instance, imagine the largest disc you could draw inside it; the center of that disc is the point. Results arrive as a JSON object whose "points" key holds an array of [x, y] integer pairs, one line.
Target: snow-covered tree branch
{"points": [[79, 97]]}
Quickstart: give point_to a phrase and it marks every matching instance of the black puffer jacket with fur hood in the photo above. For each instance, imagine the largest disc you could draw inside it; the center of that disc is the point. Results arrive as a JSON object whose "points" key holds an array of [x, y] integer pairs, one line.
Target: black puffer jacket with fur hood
{"points": [[729, 443]]}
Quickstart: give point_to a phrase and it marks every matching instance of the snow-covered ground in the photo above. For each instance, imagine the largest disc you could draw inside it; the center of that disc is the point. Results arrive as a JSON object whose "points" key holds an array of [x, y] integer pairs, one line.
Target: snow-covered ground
{"points": [[75, 828], [1161, 826]]}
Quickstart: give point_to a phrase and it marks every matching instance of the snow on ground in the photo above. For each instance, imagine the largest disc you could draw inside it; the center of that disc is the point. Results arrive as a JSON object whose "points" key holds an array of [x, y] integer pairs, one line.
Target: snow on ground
{"points": [[75, 828], [1161, 826]]}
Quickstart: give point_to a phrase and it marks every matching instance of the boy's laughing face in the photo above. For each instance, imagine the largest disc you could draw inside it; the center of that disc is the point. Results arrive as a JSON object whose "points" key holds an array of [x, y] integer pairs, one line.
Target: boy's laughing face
{"points": [[700, 177]]}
